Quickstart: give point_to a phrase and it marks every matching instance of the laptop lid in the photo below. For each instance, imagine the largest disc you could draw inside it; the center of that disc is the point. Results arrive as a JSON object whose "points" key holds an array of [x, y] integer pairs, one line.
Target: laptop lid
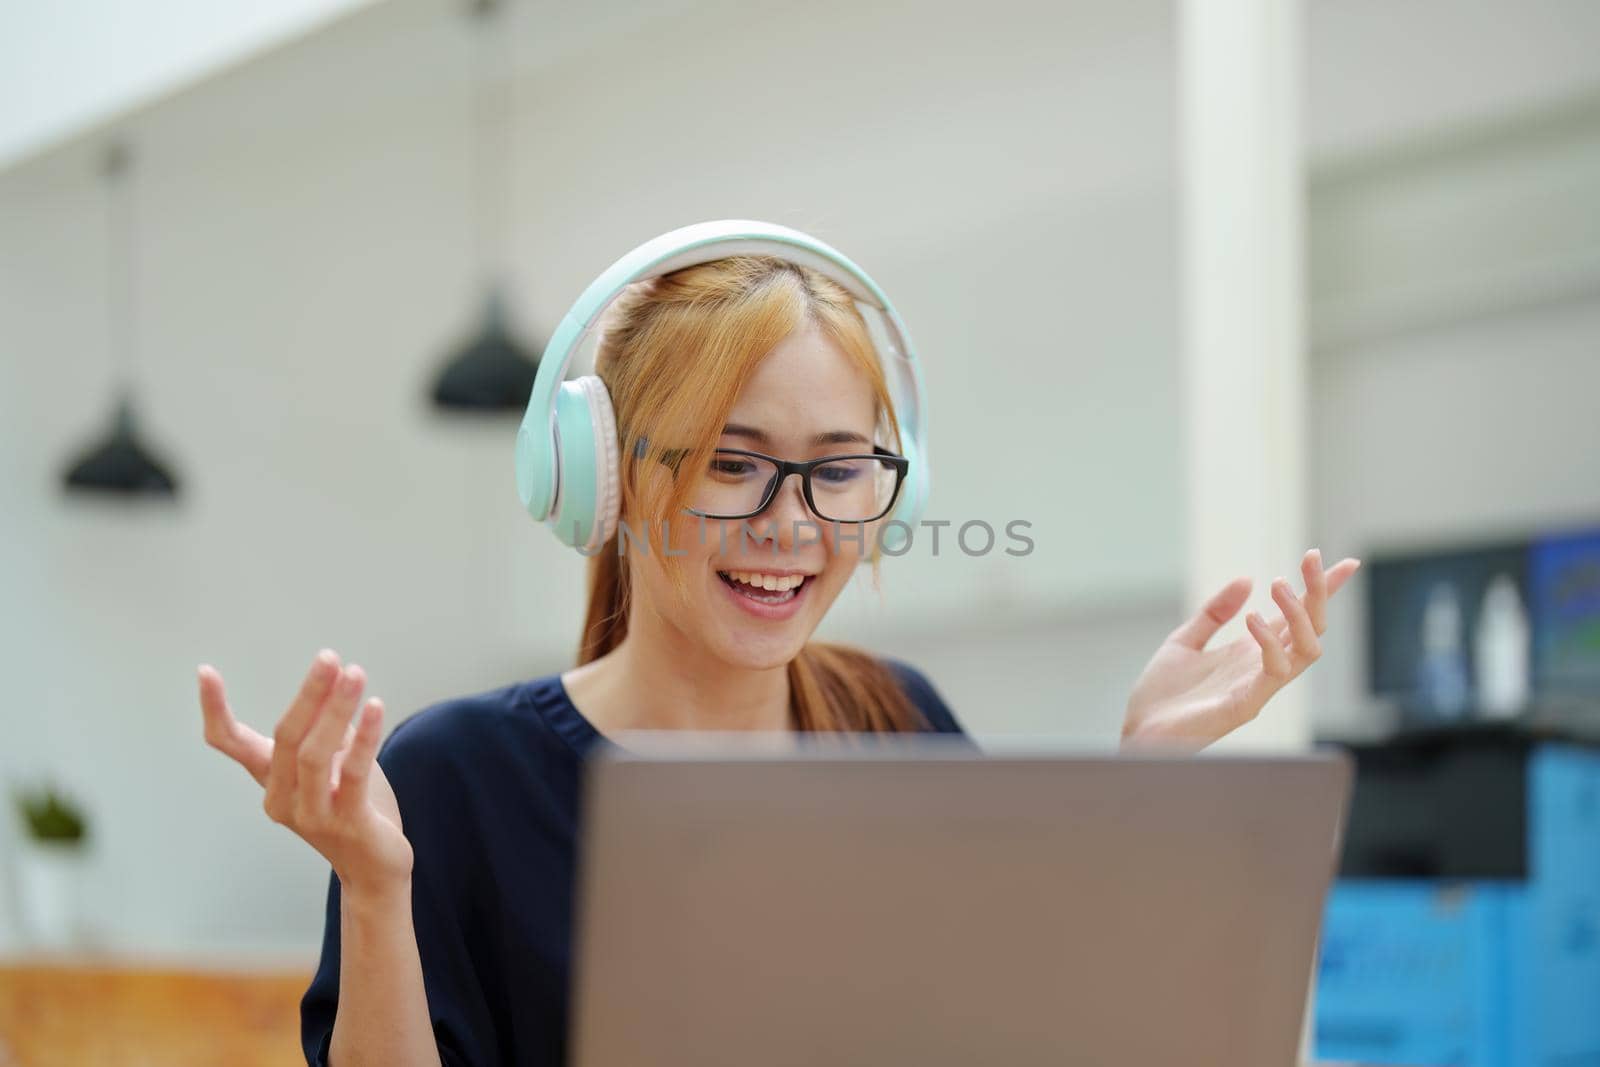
{"points": [[916, 902]]}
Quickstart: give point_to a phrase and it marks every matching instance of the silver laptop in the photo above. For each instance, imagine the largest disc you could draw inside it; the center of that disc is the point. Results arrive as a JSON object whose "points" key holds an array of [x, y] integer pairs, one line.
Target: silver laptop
{"points": [[916, 903]]}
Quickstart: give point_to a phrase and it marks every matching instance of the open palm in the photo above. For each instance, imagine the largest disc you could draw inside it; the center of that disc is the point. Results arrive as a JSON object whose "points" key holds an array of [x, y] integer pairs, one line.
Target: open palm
{"points": [[319, 771], [1191, 695]]}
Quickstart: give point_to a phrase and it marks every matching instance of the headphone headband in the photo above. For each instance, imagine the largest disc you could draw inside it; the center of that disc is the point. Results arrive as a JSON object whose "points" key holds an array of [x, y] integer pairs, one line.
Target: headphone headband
{"points": [[539, 466]]}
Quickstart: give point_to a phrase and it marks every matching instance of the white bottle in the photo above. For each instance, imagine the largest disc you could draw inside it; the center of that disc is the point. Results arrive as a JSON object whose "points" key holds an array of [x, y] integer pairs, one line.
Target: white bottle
{"points": [[1442, 672], [1501, 651]]}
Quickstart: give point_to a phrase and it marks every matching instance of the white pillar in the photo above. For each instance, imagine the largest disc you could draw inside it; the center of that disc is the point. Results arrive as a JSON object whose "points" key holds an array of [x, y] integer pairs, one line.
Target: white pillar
{"points": [[1243, 332]]}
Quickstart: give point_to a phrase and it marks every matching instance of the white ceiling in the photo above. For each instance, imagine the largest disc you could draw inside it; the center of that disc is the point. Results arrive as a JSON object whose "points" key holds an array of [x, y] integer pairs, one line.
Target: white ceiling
{"points": [[69, 65], [1377, 73]]}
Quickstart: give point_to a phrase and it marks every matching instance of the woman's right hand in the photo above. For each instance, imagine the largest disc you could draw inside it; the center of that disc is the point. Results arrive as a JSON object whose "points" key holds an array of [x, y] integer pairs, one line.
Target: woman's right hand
{"points": [[320, 773]]}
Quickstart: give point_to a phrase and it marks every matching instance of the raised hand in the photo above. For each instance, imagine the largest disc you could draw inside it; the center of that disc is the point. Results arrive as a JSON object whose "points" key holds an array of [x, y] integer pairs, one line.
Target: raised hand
{"points": [[1190, 695], [319, 772]]}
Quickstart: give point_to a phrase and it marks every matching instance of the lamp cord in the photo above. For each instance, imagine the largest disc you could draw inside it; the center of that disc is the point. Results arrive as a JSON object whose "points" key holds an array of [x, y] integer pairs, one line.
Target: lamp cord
{"points": [[121, 241], [491, 141]]}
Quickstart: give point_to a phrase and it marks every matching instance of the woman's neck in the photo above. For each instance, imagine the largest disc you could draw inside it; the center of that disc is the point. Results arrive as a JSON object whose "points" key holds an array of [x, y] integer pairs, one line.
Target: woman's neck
{"points": [[657, 681]]}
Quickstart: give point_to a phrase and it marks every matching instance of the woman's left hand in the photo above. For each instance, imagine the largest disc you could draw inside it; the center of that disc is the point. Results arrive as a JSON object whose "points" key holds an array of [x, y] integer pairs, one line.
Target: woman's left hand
{"points": [[1190, 695]]}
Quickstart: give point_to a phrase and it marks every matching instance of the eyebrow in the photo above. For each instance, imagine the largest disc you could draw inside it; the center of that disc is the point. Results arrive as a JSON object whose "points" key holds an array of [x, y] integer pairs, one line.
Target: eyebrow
{"points": [[831, 437]]}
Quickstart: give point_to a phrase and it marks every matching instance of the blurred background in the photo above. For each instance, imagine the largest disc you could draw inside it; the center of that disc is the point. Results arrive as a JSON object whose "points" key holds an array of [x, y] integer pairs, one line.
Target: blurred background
{"points": [[1196, 286]]}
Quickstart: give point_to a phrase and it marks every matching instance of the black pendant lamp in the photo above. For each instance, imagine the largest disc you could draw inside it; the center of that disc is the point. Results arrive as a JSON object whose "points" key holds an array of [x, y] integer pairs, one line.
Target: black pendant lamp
{"points": [[120, 463], [493, 372]]}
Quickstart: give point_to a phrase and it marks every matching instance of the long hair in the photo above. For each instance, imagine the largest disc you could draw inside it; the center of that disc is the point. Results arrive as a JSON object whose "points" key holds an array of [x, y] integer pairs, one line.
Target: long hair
{"points": [[674, 352]]}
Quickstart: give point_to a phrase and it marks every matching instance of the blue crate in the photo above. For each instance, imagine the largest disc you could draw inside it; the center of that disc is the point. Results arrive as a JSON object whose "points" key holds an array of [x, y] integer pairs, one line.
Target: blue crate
{"points": [[1477, 974]]}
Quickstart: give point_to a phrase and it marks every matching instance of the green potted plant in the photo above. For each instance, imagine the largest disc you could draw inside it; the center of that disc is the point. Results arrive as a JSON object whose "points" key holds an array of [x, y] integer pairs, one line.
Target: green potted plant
{"points": [[50, 866]]}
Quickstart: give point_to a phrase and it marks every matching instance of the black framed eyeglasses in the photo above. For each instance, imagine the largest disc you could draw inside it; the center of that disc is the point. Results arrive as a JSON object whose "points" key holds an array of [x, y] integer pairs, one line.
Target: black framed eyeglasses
{"points": [[857, 487]]}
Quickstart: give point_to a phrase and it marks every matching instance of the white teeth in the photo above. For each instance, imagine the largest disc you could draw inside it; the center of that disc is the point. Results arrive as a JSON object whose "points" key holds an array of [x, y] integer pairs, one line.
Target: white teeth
{"points": [[771, 582]]}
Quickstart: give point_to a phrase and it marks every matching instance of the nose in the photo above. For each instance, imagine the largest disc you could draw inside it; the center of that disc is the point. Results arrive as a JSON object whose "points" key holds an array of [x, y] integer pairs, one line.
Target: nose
{"points": [[785, 515]]}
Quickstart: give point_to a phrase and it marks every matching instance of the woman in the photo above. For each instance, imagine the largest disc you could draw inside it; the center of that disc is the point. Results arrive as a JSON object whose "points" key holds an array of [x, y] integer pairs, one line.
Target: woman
{"points": [[449, 911]]}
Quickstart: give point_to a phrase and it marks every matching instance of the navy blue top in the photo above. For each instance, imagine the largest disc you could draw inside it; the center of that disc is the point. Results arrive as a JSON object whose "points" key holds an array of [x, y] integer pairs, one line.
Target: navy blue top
{"points": [[488, 787]]}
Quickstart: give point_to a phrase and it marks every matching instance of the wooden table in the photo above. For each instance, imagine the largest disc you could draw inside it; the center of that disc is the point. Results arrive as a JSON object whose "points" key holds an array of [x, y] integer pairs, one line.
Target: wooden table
{"points": [[99, 1013]]}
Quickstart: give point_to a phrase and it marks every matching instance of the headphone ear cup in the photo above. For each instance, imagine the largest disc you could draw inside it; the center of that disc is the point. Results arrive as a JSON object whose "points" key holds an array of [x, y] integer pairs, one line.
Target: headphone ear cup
{"points": [[608, 470], [587, 496], [908, 508], [536, 466]]}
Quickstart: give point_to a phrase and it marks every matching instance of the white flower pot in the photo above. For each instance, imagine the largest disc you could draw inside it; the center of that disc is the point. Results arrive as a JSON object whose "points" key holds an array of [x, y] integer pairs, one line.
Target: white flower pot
{"points": [[50, 878]]}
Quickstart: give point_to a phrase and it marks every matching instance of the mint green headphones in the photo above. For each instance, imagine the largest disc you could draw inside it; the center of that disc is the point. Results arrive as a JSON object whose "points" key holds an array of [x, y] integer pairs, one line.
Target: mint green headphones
{"points": [[567, 450]]}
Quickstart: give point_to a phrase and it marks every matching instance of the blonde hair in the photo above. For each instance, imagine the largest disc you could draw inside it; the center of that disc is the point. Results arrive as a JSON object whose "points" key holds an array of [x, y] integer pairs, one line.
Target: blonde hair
{"points": [[674, 352]]}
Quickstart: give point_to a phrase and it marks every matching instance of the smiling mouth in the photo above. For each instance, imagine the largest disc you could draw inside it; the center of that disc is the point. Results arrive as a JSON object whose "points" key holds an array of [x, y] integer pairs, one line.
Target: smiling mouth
{"points": [[765, 588]]}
